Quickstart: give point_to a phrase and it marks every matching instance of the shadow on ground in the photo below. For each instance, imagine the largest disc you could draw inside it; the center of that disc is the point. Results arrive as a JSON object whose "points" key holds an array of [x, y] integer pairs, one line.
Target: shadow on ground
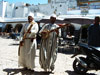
{"points": [[24, 72], [73, 73], [13, 44]]}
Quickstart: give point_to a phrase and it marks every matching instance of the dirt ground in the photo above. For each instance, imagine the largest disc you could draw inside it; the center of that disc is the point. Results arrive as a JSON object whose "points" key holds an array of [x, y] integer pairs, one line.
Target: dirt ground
{"points": [[9, 61]]}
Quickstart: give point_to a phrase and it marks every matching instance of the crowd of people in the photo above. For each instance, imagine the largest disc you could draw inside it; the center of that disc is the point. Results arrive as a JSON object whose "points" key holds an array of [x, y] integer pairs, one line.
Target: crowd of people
{"points": [[10, 31]]}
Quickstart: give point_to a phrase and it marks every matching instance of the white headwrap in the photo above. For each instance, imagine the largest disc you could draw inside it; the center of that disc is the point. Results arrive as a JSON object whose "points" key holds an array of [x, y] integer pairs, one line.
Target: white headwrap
{"points": [[31, 14], [53, 15]]}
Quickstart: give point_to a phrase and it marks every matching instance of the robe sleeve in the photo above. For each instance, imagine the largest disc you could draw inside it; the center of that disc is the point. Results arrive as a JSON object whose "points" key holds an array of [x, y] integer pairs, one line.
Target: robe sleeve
{"points": [[34, 31], [59, 31], [22, 32], [42, 29]]}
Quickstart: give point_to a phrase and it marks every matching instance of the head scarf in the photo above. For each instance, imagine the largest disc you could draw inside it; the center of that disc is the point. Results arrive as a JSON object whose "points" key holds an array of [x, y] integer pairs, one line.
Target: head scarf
{"points": [[31, 14], [53, 15]]}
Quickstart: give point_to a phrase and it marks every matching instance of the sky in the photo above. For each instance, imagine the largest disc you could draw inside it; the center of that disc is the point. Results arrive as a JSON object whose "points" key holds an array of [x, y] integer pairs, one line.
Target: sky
{"points": [[28, 1]]}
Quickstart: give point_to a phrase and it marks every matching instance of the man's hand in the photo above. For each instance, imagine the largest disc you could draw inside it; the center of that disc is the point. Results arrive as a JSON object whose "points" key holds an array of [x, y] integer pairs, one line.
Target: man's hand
{"points": [[21, 43], [29, 32]]}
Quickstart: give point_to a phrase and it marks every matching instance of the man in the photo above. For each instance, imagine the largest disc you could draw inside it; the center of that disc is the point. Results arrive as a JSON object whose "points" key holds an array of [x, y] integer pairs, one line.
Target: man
{"points": [[49, 48], [28, 49], [70, 30], [94, 33]]}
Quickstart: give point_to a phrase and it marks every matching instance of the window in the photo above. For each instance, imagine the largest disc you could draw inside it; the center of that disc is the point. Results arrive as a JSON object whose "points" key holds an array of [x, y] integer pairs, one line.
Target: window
{"points": [[60, 5], [16, 7]]}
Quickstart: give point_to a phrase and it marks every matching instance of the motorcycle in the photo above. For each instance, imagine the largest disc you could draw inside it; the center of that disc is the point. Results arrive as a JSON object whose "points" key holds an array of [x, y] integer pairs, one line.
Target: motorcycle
{"points": [[89, 59]]}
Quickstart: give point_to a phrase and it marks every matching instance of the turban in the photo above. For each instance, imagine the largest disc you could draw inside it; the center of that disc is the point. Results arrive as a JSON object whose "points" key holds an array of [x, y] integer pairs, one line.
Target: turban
{"points": [[31, 14], [53, 15]]}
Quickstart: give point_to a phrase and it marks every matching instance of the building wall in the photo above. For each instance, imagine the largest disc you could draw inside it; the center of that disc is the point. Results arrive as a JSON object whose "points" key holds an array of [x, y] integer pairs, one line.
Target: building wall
{"points": [[57, 1], [20, 10], [45, 9], [9, 10], [25, 12], [60, 7], [56, 7], [1, 7], [90, 12], [91, 5]]}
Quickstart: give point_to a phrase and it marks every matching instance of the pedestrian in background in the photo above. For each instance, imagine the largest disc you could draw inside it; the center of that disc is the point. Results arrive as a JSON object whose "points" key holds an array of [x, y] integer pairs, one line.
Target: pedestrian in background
{"points": [[94, 33]]}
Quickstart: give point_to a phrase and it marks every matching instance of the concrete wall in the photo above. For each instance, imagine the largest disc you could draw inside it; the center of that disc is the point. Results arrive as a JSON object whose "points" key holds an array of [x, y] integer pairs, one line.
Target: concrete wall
{"points": [[9, 10], [60, 7], [25, 12], [46, 9], [90, 12], [3, 6], [74, 12], [94, 11], [20, 10]]}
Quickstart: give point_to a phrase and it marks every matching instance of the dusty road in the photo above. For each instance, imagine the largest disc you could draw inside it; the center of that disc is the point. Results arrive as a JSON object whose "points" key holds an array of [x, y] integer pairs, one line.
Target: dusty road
{"points": [[9, 62]]}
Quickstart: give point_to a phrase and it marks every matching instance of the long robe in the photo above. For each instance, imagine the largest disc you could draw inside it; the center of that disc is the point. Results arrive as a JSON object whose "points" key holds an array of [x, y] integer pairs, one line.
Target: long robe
{"points": [[48, 48], [28, 50]]}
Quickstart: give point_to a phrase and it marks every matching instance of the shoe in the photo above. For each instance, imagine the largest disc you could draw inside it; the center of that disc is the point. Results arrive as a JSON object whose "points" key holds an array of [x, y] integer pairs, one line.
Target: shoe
{"points": [[52, 68], [25, 68], [31, 70]]}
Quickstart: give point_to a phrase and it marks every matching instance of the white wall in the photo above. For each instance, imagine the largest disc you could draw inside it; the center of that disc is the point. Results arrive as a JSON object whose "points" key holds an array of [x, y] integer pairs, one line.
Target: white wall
{"points": [[9, 10], [19, 4], [45, 9], [74, 12], [4, 9], [94, 11], [25, 13], [90, 12], [19, 12], [57, 1], [1, 7], [60, 7], [72, 3], [48, 9], [61, 1]]}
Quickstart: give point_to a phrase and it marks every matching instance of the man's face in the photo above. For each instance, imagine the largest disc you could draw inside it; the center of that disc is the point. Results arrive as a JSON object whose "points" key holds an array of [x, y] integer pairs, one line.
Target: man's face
{"points": [[30, 19], [52, 19], [97, 20]]}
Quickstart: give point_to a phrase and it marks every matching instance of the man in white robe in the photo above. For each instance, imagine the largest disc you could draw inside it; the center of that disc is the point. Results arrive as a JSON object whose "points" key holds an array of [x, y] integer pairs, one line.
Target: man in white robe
{"points": [[49, 47], [28, 50]]}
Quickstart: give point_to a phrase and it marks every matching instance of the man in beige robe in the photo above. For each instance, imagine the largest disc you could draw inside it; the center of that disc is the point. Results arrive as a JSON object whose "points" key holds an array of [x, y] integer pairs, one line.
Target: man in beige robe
{"points": [[28, 50], [49, 47]]}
